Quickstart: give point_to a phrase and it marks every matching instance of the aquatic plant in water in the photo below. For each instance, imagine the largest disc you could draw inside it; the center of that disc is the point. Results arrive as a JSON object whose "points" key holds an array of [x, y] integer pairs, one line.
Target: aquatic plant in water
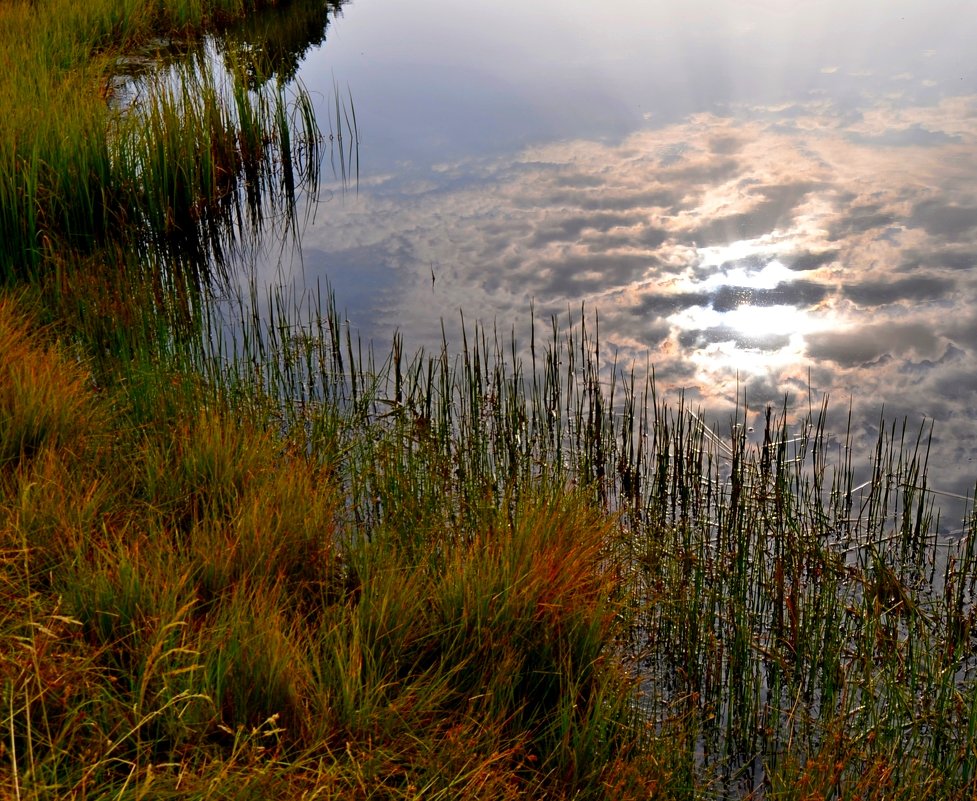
{"points": [[790, 603], [189, 166]]}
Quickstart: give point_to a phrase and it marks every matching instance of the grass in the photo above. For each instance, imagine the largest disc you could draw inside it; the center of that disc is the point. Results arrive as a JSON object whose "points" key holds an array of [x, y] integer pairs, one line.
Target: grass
{"points": [[453, 577], [187, 168], [259, 559], [786, 605], [191, 605]]}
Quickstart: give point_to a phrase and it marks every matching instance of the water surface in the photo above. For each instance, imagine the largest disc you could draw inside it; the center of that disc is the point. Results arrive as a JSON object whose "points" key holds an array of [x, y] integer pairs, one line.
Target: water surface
{"points": [[757, 198]]}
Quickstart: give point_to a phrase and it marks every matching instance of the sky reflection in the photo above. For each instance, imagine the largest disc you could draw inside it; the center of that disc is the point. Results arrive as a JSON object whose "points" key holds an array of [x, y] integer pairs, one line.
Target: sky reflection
{"points": [[754, 199]]}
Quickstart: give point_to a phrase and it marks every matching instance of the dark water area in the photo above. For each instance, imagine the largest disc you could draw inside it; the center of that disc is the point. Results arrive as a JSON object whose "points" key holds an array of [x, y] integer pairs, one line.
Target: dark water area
{"points": [[758, 200]]}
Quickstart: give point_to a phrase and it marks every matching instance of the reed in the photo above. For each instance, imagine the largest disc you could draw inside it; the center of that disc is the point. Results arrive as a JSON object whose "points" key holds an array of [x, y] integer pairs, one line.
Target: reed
{"points": [[241, 552], [786, 600], [197, 604], [187, 169], [463, 572]]}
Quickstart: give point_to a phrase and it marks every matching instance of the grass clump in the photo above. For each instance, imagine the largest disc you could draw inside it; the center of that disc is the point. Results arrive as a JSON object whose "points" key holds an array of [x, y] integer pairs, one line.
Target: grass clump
{"points": [[182, 170], [30, 421], [216, 619]]}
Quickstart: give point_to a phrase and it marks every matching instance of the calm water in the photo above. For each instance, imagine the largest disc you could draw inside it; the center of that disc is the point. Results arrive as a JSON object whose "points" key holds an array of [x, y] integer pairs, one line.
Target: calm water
{"points": [[756, 197]]}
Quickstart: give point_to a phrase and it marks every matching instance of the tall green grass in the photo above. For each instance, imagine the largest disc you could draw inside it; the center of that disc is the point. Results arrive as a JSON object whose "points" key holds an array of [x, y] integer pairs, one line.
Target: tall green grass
{"points": [[195, 607], [791, 603], [187, 168]]}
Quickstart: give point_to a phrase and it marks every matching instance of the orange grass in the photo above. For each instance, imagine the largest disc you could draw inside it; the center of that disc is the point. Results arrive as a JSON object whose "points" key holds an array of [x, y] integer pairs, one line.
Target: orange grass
{"points": [[189, 611]]}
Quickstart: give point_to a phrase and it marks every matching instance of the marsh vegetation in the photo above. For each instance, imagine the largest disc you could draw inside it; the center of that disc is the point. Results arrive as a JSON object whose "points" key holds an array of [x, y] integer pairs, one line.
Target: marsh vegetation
{"points": [[268, 560]]}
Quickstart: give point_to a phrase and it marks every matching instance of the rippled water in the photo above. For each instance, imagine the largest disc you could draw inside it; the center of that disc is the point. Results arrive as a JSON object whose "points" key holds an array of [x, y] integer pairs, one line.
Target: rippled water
{"points": [[758, 198]]}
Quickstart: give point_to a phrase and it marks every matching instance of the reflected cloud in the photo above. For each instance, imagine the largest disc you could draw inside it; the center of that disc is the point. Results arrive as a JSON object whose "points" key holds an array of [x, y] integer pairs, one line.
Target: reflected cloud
{"points": [[871, 344], [787, 250], [914, 290], [948, 221]]}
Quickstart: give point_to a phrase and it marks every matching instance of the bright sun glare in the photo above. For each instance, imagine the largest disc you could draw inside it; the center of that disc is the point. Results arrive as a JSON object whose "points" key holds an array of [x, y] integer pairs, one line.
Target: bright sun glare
{"points": [[751, 337]]}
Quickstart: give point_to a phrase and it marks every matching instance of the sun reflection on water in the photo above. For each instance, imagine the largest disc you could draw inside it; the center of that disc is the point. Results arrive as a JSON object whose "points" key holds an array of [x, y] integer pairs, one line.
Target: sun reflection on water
{"points": [[744, 327]]}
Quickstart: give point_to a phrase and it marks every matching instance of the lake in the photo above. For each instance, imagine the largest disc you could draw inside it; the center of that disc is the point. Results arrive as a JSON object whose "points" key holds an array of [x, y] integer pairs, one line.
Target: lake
{"points": [[757, 199]]}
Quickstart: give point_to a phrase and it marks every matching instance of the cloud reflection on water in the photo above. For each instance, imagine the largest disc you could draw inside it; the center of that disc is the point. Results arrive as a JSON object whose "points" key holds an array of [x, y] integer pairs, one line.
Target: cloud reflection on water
{"points": [[753, 252]]}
